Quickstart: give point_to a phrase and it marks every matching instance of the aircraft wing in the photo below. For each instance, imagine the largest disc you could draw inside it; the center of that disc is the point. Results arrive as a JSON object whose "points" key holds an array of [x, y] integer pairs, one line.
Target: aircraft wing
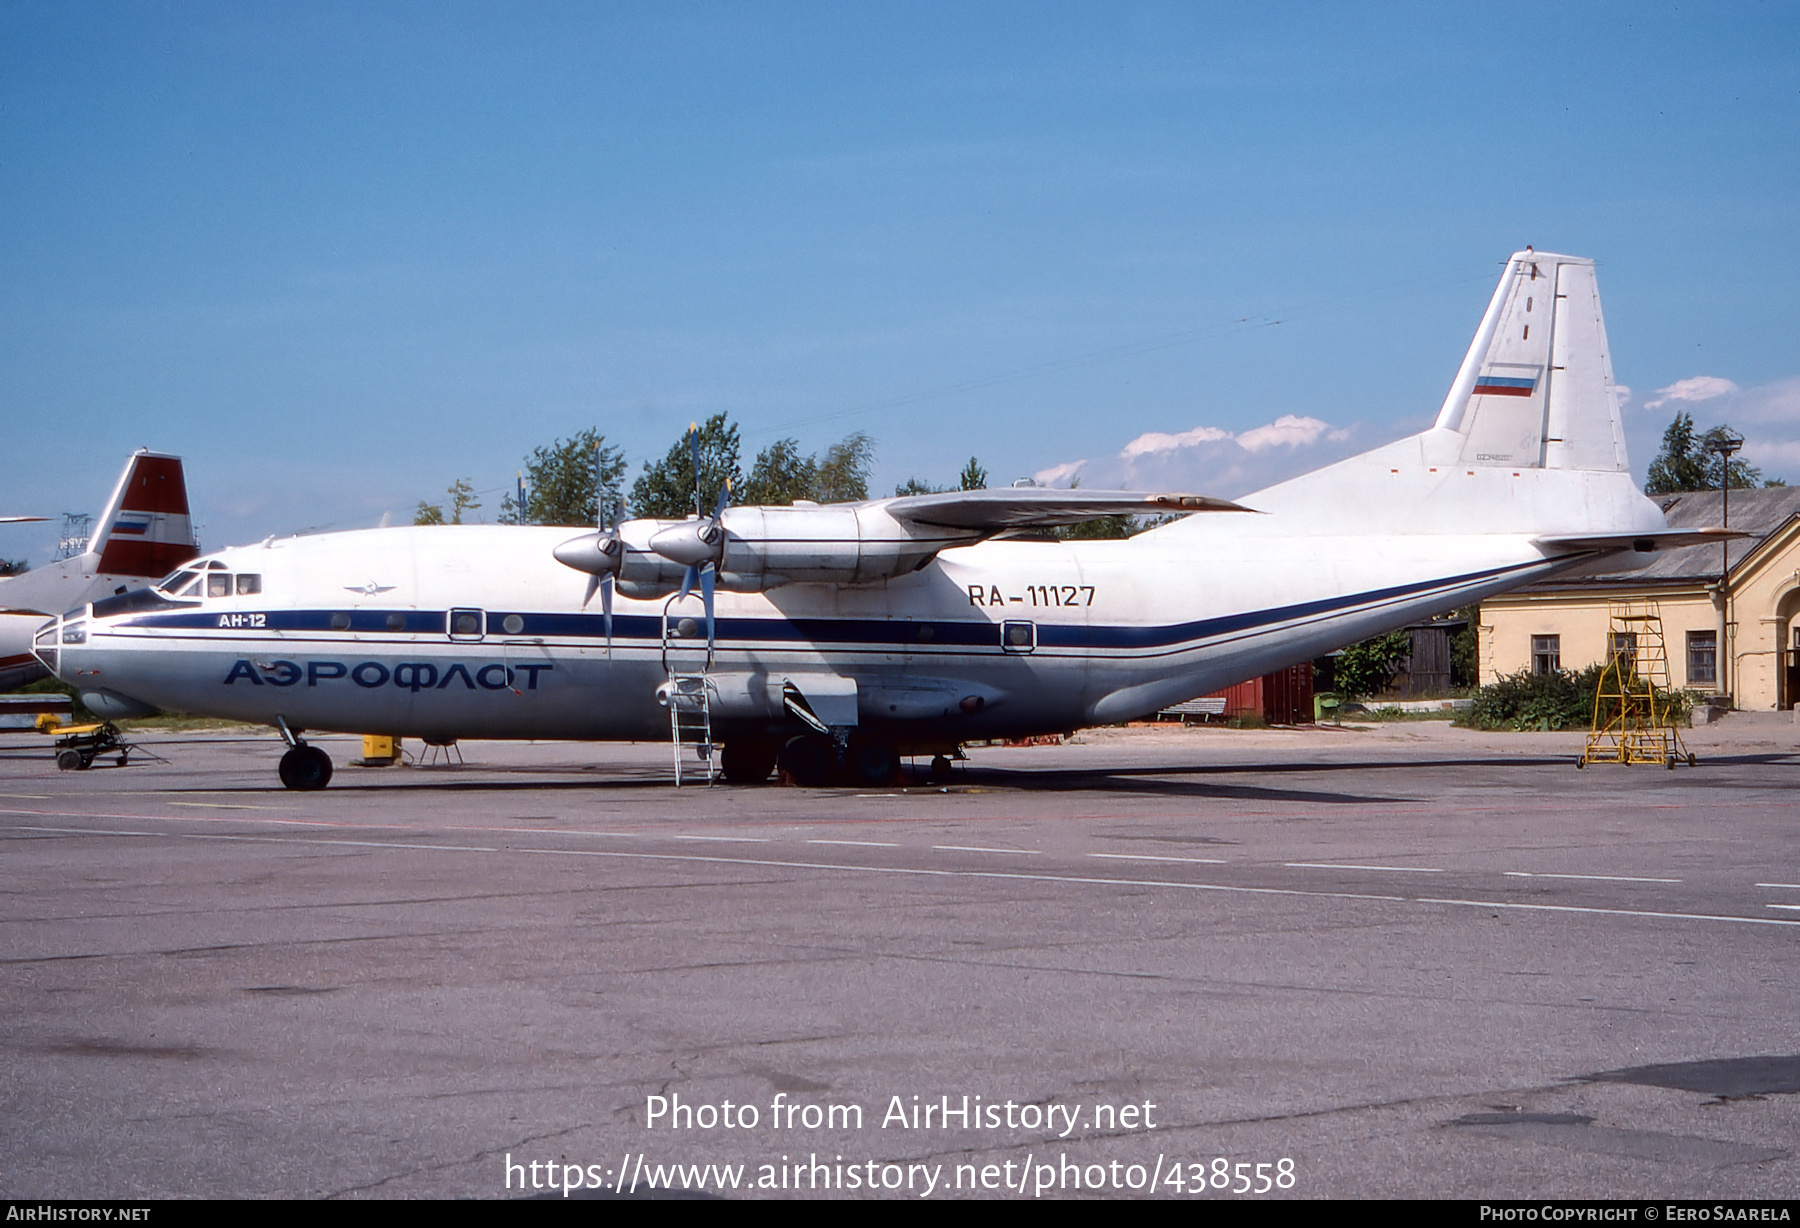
{"points": [[20, 519], [1038, 507], [1642, 543]]}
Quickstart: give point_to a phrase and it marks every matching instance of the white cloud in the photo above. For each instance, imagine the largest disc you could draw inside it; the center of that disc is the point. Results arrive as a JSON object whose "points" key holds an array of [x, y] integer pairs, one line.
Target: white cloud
{"points": [[1288, 431], [1152, 442], [1058, 473], [1696, 388]]}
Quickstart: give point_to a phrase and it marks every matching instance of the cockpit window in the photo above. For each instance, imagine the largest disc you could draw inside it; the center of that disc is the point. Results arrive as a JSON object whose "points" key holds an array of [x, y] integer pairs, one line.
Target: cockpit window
{"points": [[218, 584], [247, 584], [192, 590], [215, 565], [172, 582]]}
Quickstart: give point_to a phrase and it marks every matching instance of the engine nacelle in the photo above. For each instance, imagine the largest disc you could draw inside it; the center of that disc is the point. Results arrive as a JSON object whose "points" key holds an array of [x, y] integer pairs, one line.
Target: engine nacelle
{"points": [[758, 548], [841, 543]]}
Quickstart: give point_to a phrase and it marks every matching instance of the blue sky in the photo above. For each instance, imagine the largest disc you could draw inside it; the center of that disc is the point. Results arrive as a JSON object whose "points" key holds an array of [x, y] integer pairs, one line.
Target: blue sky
{"points": [[339, 255]]}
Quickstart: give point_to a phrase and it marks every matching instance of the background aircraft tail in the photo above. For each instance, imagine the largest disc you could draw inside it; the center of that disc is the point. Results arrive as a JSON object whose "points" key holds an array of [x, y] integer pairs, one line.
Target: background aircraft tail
{"points": [[145, 530]]}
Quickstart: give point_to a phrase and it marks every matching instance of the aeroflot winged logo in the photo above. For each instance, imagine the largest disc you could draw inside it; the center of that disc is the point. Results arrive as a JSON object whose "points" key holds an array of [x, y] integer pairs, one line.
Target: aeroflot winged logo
{"points": [[369, 589]]}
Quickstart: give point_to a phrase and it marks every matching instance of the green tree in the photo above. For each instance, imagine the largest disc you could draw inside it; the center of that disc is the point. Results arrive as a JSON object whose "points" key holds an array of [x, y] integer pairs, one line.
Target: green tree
{"points": [[1106, 528], [781, 474], [462, 499], [428, 513], [1465, 648], [665, 490], [913, 486], [1364, 669], [1685, 462], [973, 476], [564, 482], [1743, 475], [844, 473]]}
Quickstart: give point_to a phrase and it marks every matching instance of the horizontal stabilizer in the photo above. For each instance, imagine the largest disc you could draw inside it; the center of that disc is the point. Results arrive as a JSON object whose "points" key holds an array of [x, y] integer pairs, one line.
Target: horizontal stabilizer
{"points": [[1038, 507], [1642, 543], [21, 519]]}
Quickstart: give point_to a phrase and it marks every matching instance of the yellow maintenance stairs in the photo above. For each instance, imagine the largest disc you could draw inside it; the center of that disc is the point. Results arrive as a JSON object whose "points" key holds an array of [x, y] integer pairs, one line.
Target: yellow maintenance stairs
{"points": [[1634, 703]]}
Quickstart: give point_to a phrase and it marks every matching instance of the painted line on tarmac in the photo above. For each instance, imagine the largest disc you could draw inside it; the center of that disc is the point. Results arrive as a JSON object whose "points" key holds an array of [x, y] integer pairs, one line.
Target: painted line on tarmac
{"points": [[1197, 861], [861, 844], [1329, 865], [914, 871], [1610, 912], [1593, 878], [976, 848]]}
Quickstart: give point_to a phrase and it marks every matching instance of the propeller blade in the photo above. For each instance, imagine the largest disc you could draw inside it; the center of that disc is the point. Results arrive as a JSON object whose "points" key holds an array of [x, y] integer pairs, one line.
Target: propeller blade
{"points": [[689, 579], [709, 580], [593, 584], [694, 447], [606, 590], [724, 496]]}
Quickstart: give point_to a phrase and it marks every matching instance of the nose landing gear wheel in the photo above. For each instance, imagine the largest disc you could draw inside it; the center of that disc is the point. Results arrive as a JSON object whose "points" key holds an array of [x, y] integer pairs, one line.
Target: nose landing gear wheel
{"points": [[305, 768]]}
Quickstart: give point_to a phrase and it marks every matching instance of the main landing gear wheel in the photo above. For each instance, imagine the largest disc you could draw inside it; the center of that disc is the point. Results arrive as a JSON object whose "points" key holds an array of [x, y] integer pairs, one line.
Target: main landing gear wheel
{"points": [[809, 759], [747, 762], [306, 768], [874, 762]]}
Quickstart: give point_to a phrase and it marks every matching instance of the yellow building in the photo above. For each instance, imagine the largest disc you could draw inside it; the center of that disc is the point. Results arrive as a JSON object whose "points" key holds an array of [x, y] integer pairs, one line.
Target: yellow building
{"points": [[1742, 639]]}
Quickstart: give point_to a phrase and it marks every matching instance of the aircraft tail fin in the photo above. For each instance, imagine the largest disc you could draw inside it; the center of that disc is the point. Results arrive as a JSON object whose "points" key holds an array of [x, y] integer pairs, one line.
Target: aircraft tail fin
{"points": [[1536, 388], [146, 530]]}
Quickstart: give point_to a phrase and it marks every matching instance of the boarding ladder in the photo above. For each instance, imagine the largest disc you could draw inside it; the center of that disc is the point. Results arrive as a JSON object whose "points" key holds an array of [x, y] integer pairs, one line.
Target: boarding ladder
{"points": [[1634, 703], [687, 660]]}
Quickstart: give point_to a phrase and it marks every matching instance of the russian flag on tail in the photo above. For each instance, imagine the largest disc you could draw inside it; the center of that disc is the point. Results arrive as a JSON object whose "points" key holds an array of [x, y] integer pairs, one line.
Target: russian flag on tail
{"points": [[1504, 386]]}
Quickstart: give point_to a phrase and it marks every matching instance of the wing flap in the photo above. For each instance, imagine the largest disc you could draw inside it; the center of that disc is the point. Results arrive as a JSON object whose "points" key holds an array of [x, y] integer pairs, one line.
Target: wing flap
{"points": [[1037, 507], [1641, 543]]}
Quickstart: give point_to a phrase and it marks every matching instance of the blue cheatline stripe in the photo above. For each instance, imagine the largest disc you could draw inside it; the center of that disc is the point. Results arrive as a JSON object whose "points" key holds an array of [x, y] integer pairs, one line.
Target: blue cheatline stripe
{"points": [[893, 633]]}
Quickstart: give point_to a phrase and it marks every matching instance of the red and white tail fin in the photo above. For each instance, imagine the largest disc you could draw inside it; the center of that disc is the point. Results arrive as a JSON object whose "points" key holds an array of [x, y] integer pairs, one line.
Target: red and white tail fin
{"points": [[1536, 388], [145, 529]]}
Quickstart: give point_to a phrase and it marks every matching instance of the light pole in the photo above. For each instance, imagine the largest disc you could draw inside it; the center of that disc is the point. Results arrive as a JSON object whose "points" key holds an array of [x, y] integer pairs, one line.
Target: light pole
{"points": [[1725, 442]]}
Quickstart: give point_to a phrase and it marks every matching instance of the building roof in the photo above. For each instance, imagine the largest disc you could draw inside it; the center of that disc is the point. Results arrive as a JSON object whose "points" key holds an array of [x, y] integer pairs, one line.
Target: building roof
{"points": [[1757, 512]]}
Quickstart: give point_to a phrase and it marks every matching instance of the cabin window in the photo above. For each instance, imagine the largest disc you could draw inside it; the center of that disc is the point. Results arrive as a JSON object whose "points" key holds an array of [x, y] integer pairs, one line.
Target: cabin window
{"points": [[1546, 654], [1703, 657], [248, 584], [218, 584], [1018, 636], [466, 624]]}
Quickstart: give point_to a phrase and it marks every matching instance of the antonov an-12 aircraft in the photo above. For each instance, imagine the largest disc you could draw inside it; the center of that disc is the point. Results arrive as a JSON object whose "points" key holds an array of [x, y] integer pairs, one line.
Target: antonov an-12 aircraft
{"points": [[832, 640]]}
